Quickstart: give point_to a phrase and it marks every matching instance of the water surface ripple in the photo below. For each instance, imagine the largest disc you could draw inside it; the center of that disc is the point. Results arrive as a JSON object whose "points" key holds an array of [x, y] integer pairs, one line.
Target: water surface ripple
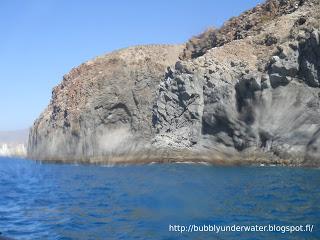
{"points": [[68, 201]]}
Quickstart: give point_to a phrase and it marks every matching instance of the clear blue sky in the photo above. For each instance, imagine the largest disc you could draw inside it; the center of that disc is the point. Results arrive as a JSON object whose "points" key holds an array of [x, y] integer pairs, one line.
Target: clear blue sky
{"points": [[41, 40]]}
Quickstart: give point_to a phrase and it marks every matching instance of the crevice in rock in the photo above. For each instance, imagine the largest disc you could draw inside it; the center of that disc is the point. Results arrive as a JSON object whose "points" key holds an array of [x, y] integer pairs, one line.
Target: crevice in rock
{"points": [[121, 106]]}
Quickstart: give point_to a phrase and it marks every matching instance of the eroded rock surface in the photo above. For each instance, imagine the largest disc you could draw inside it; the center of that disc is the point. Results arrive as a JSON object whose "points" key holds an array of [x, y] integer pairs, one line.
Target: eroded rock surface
{"points": [[247, 97], [104, 106], [248, 91]]}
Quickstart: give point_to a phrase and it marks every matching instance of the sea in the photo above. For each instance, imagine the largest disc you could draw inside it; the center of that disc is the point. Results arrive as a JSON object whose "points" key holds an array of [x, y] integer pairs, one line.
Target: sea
{"points": [[157, 201]]}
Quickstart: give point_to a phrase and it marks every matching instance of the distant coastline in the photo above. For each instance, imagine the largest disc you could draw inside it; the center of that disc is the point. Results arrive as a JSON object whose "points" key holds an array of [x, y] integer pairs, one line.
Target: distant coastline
{"points": [[13, 150], [14, 143]]}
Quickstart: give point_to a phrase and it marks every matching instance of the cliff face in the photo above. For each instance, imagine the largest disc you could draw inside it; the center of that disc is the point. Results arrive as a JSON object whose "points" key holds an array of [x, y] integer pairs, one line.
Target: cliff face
{"points": [[249, 90], [104, 106], [249, 23], [253, 98]]}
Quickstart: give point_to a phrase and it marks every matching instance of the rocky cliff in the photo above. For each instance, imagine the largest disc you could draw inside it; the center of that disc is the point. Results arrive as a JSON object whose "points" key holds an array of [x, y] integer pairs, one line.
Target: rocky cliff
{"points": [[246, 92], [103, 107]]}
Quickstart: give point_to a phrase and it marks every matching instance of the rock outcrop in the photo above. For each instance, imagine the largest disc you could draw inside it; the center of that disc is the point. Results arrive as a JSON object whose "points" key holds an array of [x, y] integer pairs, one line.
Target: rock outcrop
{"points": [[248, 91], [103, 107], [248, 97], [250, 23]]}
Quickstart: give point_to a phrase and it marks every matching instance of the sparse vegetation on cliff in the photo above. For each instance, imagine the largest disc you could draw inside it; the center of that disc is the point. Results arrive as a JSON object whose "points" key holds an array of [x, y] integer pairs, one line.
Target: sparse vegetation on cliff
{"points": [[249, 90]]}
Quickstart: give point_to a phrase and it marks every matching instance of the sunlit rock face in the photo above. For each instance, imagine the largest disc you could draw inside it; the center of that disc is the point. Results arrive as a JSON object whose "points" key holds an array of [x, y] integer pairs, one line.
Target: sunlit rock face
{"points": [[104, 106], [249, 90], [250, 97]]}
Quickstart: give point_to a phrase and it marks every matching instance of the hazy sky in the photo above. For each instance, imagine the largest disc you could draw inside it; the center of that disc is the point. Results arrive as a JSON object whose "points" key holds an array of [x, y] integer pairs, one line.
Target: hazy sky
{"points": [[42, 40]]}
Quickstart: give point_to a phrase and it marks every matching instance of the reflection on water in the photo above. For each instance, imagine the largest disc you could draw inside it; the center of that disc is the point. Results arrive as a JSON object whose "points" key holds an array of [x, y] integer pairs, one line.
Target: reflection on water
{"points": [[53, 201]]}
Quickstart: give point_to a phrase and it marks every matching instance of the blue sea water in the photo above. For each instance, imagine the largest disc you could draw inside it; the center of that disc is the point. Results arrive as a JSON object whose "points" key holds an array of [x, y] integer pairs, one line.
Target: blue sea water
{"points": [[68, 201]]}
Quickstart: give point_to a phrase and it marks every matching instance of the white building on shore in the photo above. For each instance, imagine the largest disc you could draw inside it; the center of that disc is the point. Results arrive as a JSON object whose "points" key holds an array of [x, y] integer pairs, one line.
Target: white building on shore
{"points": [[13, 150], [14, 143]]}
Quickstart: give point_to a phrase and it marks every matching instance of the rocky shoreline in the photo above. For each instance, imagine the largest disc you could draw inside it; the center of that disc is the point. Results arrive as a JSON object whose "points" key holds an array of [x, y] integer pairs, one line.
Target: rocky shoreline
{"points": [[262, 160], [245, 93]]}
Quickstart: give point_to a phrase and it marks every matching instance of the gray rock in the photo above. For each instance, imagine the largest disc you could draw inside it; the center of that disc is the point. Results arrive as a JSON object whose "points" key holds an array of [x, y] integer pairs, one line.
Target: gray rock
{"points": [[310, 59], [313, 150], [104, 107], [241, 100], [277, 80], [247, 116]]}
